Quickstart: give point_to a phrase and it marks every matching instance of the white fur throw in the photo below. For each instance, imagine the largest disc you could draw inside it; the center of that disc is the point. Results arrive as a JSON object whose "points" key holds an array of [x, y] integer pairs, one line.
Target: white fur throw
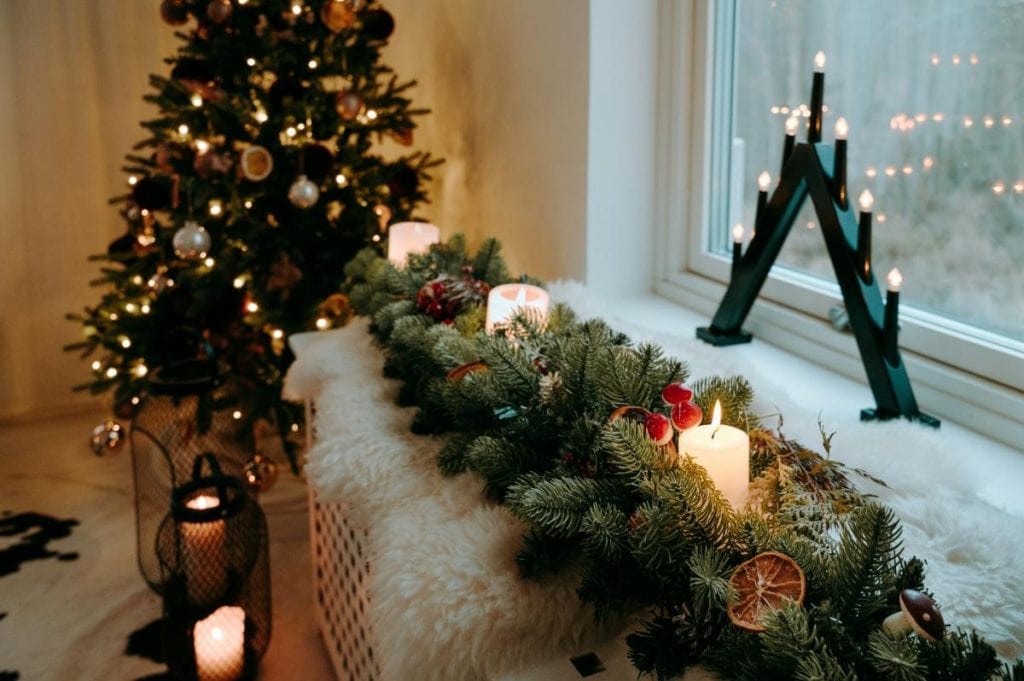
{"points": [[448, 600]]}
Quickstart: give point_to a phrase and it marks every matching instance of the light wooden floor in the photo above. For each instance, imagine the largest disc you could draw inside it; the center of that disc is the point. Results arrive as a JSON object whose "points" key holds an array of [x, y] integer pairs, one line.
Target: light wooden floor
{"points": [[72, 619]]}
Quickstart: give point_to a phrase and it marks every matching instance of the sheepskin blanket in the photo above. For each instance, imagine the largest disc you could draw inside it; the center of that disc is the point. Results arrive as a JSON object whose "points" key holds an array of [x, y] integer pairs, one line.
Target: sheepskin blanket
{"points": [[448, 600]]}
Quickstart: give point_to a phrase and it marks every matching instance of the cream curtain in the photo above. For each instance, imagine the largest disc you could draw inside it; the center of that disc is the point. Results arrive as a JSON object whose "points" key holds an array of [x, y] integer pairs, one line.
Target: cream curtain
{"points": [[72, 76]]}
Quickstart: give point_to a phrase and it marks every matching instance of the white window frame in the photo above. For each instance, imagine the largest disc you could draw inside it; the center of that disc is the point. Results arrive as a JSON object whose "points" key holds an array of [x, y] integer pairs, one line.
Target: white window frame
{"points": [[957, 372]]}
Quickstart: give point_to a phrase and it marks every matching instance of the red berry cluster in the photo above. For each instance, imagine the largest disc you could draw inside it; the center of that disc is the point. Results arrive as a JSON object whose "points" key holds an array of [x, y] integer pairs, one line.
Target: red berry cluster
{"points": [[446, 297], [685, 413]]}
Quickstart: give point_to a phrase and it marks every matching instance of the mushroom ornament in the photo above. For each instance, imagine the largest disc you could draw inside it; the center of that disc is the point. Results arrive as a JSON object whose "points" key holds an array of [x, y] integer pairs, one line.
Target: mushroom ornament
{"points": [[918, 613]]}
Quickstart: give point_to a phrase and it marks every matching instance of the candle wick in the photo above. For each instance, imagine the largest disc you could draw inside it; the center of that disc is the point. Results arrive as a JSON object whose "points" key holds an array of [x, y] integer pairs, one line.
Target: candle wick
{"points": [[715, 432]]}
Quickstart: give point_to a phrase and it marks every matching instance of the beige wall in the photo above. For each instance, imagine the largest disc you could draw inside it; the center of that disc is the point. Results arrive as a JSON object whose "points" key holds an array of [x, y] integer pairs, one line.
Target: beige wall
{"points": [[507, 82]]}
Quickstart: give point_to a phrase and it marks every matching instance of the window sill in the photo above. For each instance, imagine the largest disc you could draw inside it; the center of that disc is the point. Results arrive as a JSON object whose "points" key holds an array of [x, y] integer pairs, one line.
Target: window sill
{"points": [[806, 392]]}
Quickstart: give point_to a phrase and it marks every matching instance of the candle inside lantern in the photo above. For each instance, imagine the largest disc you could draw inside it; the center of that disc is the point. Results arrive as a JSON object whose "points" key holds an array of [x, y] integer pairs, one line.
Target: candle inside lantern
{"points": [[219, 644], [504, 301], [202, 547], [405, 238], [724, 452], [866, 201]]}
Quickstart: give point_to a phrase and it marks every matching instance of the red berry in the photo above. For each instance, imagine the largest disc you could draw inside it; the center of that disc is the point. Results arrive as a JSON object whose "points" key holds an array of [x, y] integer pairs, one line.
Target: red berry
{"points": [[686, 415], [659, 428], [676, 393]]}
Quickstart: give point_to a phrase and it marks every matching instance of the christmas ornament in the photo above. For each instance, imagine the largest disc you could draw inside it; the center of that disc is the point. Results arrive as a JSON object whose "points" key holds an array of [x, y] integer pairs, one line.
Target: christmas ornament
{"points": [[659, 428], [686, 415], [403, 181], [762, 584], [283, 275], [337, 15], [303, 193], [403, 136], [219, 11], [256, 163], [174, 12], [210, 163], [336, 309], [463, 370], [107, 436], [917, 613], [191, 242], [349, 105], [676, 393], [378, 24], [630, 413], [260, 473], [317, 161], [446, 297], [196, 76]]}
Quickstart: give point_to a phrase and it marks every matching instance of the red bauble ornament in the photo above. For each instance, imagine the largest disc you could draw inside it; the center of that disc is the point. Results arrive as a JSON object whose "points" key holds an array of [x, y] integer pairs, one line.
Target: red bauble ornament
{"points": [[174, 12], [686, 415], [676, 393], [349, 105], [219, 11]]}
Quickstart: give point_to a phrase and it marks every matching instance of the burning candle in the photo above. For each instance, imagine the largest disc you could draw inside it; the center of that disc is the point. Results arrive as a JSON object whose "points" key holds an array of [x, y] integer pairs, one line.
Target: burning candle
{"points": [[866, 201], [219, 643], [737, 246], [890, 330], [839, 168], [504, 301], [202, 546], [817, 97], [724, 452], [792, 123], [764, 180], [405, 238]]}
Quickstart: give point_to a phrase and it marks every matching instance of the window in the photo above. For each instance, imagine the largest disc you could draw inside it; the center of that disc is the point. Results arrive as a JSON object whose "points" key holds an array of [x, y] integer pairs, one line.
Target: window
{"points": [[936, 135]]}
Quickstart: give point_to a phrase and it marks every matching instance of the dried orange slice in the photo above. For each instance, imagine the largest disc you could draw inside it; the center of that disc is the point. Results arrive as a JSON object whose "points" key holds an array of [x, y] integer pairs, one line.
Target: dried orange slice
{"points": [[630, 413], [762, 584], [462, 370]]}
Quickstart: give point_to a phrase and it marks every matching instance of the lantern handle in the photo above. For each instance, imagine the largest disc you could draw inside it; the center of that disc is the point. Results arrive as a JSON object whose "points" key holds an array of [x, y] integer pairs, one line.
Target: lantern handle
{"points": [[216, 475]]}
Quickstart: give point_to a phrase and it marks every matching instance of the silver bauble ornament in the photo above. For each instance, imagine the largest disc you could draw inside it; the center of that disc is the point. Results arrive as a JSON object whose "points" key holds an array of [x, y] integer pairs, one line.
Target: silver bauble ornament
{"points": [[260, 473], [191, 242], [106, 437], [303, 193]]}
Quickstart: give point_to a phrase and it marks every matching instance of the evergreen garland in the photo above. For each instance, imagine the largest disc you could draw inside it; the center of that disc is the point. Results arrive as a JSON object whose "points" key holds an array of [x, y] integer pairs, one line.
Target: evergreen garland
{"points": [[645, 531]]}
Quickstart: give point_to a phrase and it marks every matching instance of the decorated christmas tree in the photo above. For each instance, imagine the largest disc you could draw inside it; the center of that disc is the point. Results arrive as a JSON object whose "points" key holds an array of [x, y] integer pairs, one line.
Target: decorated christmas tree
{"points": [[260, 177]]}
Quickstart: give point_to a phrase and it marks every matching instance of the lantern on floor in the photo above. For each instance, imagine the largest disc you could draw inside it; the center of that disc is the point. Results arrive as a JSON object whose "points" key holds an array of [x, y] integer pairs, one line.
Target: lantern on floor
{"points": [[174, 424], [212, 547]]}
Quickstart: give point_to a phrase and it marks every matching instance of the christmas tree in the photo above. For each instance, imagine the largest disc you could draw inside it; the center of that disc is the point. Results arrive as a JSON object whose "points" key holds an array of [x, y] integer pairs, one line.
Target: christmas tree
{"points": [[256, 183]]}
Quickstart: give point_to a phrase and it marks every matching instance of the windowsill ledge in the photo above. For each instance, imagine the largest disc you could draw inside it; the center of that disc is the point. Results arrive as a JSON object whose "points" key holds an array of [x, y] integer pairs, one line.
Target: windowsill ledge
{"points": [[806, 392]]}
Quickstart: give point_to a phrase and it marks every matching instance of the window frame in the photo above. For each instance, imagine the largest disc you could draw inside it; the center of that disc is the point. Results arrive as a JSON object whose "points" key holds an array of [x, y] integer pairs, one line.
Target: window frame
{"points": [[958, 372]]}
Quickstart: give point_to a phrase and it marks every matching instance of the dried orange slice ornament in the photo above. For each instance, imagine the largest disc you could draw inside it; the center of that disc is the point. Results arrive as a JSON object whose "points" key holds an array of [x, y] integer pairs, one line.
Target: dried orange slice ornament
{"points": [[461, 371], [762, 584]]}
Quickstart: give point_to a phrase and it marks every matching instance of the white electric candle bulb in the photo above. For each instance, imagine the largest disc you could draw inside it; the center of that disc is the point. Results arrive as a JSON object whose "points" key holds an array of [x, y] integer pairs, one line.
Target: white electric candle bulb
{"points": [[819, 62], [866, 201], [764, 180], [791, 125], [895, 280], [842, 129], [737, 233]]}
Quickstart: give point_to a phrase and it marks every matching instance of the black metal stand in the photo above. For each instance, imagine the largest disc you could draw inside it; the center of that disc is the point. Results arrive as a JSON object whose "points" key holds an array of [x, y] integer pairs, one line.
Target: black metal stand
{"points": [[805, 171]]}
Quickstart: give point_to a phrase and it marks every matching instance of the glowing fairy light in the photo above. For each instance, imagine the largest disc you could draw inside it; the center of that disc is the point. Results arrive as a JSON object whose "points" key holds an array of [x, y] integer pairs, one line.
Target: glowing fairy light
{"points": [[125, 342], [277, 334], [295, 427], [140, 370], [209, 262], [216, 207], [890, 171], [296, 9], [291, 131], [96, 365], [312, 64], [935, 60], [968, 122], [989, 121], [955, 59], [371, 114], [927, 162], [261, 115], [182, 129], [340, 179], [322, 323], [252, 306], [145, 308], [998, 188], [202, 146], [131, 308], [236, 415], [196, 99], [111, 372], [871, 171], [250, 62], [132, 180], [239, 282], [938, 117]]}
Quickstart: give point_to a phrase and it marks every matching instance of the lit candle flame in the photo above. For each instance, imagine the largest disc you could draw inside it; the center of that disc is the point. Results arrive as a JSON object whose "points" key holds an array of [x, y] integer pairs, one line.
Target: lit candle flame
{"points": [[842, 129], [819, 61], [866, 201], [737, 233], [716, 415], [791, 125], [895, 280], [764, 180]]}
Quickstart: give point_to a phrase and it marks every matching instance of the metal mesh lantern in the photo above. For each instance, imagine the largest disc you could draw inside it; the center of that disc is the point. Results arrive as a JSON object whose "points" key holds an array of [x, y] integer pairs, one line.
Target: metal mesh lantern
{"points": [[169, 430], [216, 574]]}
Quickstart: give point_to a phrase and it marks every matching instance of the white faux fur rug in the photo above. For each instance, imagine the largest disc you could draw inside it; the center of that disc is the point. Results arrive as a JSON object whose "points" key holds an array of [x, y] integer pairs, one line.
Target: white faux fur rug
{"points": [[448, 601]]}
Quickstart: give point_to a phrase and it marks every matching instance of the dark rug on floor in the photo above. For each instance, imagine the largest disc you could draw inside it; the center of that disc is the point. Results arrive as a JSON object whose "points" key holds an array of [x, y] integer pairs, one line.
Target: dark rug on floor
{"points": [[147, 643], [37, 532]]}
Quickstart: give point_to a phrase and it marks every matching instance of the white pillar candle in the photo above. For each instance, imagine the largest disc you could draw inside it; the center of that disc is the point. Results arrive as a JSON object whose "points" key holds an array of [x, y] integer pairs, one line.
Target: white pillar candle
{"points": [[724, 452], [202, 547], [504, 301], [219, 643], [410, 237]]}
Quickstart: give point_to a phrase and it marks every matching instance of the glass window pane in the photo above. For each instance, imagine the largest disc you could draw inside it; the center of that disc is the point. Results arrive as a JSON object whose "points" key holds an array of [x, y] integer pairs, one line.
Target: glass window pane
{"points": [[931, 94]]}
